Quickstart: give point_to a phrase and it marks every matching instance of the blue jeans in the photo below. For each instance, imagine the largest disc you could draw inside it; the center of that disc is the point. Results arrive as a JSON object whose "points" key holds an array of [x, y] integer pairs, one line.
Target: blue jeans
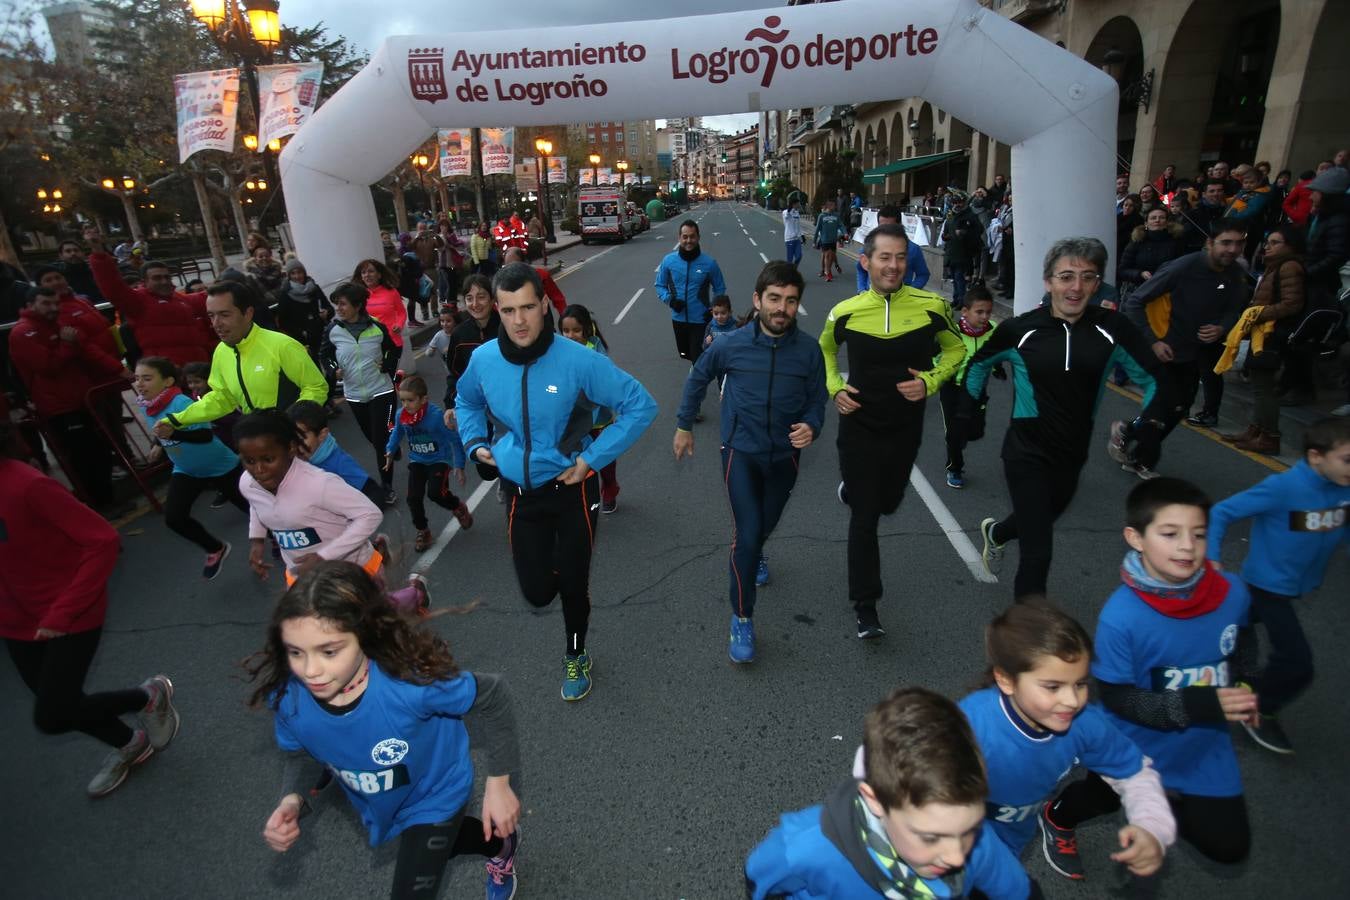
{"points": [[758, 487], [958, 284], [794, 250]]}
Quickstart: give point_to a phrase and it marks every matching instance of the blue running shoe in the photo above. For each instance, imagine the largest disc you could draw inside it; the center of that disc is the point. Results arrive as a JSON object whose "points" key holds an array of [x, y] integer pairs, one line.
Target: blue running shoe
{"points": [[762, 572], [955, 480], [576, 676], [741, 648], [501, 870]]}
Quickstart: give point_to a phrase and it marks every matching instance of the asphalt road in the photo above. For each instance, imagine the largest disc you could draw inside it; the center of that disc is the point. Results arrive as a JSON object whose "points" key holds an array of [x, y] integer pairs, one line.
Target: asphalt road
{"points": [[659, 783]]}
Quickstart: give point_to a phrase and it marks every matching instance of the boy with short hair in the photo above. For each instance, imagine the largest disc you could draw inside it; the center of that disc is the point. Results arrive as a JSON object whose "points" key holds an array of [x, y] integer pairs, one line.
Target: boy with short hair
{"points": [[963, 416], [913, 827], [1299, 520], [722, 322], [319, 448], [439, 344], [1172, 648]]}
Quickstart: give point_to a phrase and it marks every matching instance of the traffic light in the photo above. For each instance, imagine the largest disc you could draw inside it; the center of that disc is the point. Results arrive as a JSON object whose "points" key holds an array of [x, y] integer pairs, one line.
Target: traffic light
{"points": [[724, 157]]}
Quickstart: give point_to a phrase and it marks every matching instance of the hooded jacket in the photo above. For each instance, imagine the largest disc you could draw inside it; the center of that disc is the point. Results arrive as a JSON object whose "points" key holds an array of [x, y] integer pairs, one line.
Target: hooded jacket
{"points": [[266, 368], [173, 326]]}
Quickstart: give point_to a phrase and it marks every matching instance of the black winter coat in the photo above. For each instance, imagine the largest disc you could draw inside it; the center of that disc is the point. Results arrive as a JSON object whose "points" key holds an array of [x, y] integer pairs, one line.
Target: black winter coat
{"points": [[1147, 252], [1328, 249]]}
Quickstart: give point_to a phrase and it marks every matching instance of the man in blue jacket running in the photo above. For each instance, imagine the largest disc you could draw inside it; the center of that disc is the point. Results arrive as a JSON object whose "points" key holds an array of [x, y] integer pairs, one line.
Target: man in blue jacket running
{"points": [[686, 281], [543, 393], [773, 407]]}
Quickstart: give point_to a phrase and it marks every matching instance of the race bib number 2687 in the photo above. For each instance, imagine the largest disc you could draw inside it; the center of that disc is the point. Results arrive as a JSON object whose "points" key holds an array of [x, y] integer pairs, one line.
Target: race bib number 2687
{"points": [[376, 782]]}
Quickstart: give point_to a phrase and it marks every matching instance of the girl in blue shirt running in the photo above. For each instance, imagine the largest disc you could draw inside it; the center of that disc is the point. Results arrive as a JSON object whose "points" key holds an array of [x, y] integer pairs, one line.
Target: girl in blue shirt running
{"points": [[577, 324], [200, 461], [379, 703]]}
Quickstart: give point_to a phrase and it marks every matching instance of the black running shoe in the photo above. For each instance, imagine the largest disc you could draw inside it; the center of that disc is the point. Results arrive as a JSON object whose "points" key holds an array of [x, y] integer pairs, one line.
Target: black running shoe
{"points": [[869, 626], [1060, 847]]}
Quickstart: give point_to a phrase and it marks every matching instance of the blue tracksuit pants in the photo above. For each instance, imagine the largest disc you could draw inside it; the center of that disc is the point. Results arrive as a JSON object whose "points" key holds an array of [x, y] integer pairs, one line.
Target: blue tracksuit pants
{"points": [[758, 487]]}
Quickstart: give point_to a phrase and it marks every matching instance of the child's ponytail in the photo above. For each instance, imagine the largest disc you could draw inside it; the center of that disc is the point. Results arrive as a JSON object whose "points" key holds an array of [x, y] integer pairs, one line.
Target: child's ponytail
{"points": [[1028, 631]]}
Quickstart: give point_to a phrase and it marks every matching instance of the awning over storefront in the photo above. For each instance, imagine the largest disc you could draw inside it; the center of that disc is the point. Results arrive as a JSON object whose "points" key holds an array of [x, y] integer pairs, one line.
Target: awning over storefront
{"points": [[913, 164]]}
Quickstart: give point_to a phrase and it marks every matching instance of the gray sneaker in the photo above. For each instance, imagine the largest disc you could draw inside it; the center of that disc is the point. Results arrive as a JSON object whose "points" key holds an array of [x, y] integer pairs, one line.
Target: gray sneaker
{"points": [[159, 719], [992, 554], [118, 763]]}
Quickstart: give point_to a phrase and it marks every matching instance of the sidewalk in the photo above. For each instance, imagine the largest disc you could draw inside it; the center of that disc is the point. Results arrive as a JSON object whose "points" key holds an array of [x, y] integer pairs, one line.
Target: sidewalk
{"points": [[1238, 401]]}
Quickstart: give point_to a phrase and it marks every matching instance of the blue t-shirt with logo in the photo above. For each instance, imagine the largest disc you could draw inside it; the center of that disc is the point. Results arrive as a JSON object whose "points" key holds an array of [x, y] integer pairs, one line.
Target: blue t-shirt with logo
{"points": [[402, 755], [207, 460], [1139, 646], [1025, 763]]}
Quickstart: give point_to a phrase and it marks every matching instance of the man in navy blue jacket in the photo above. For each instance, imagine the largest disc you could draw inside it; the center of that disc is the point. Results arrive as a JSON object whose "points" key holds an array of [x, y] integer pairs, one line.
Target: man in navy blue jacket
{"points": [[773, 407], [686, 281], [543, 393]]}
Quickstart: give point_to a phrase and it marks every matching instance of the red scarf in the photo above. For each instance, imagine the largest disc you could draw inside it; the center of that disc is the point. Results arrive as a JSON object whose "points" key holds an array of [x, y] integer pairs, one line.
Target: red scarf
{"points": [[967, 329], [408, 418], [155, 405], [1205, 597]]}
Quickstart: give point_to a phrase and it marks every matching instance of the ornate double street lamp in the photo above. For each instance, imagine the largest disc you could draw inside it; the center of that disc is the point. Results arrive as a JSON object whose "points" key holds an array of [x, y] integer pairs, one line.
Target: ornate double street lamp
{"points": [[250, 36], [622, 166], [51, 200], [544, 147]]}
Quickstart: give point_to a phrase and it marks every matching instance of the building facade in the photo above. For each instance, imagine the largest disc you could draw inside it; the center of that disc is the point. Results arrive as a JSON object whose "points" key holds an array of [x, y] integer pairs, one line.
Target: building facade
{"points": [[1201, 80]]}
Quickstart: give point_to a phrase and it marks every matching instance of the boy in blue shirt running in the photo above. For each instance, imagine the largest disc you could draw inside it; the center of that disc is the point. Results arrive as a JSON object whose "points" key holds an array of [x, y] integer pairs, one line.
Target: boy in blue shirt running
{"points": [[1299, 521], [435, 453], [1172, 649], [319, 448], [914, 826]]}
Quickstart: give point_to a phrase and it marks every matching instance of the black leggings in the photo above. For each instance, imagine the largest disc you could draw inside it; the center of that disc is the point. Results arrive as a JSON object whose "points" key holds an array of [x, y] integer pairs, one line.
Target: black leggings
{"points": [[424, 851], [373, 417], [431, 482], [54, 671], [875, 468], [1215, 826], [552, 533], [1040, 492], [184, 490], [689, 338]]}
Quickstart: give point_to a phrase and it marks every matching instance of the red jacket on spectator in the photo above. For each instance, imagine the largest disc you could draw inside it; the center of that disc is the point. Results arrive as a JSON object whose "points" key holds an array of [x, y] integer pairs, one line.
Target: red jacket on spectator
{"points": [[551, 290], [520, 236], [96, 338], [57, 373], [56, 556], [1298, 205], [173, 326]]}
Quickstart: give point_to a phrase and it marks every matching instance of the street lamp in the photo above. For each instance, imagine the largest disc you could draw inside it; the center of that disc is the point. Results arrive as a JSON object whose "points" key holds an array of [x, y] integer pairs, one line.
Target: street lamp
{"points": [[274, 145], [595, 169], [622, 166], [420, 161], [545, 148], [250, 142], [128, 183], [264, 22], [210, 12], [108, 184]]}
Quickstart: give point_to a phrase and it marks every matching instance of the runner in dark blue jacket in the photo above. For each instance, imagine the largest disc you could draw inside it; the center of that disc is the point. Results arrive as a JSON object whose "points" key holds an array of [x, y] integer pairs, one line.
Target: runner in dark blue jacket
{"points": [[686, 281], [543, 393], [773, 406]]}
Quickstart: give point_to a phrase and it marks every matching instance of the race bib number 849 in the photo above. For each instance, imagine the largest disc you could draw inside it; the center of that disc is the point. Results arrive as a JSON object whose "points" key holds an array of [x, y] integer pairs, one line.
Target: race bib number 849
{"points": [[1317, 519]]}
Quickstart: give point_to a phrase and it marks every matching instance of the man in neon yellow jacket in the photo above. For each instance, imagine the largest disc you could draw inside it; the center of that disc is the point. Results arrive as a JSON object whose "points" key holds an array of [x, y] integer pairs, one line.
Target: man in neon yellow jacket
{"points": [[252, 367]]}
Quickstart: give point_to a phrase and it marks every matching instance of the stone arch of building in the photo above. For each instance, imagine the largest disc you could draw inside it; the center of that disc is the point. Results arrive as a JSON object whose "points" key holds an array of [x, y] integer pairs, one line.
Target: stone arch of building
{"points": [[1053, 108]]}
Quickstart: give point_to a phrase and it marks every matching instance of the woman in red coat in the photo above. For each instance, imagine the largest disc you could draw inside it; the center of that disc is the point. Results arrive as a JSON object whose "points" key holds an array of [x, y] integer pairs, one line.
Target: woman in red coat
{"points": [[385, 303], [56, 556]]}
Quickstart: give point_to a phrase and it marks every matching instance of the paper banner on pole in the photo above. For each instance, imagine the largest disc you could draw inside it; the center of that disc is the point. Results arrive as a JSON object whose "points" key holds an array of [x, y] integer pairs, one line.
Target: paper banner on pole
{"points": [[607, 176], [915, 228], [455, 149], [587, 175], [557, 170], [527, 175], [498, 150], [206, 104], [287, 94]]}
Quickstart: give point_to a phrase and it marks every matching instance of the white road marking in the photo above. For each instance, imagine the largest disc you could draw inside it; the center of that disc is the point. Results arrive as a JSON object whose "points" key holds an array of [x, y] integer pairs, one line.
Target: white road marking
{"points": [[629, 305], [425, 561], [947, 522], [762, 256], [565, 273]]}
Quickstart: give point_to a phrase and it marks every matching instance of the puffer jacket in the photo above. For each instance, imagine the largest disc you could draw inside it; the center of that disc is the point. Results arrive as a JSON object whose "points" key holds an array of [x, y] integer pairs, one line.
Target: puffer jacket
{"points": [[173, 326], [1328, 246], [1148, 251], [1286, 274]]}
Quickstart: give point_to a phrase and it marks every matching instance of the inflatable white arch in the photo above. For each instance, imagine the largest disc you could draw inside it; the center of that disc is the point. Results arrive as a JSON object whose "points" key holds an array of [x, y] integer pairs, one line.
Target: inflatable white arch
{"points": [[1056, 111]]}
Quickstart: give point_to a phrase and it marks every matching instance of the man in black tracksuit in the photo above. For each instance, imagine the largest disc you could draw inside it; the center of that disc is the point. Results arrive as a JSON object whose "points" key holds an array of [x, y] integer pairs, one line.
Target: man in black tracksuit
{"points": [[1188, 307], [773, 407], [1060, 355], [902, 345]]}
